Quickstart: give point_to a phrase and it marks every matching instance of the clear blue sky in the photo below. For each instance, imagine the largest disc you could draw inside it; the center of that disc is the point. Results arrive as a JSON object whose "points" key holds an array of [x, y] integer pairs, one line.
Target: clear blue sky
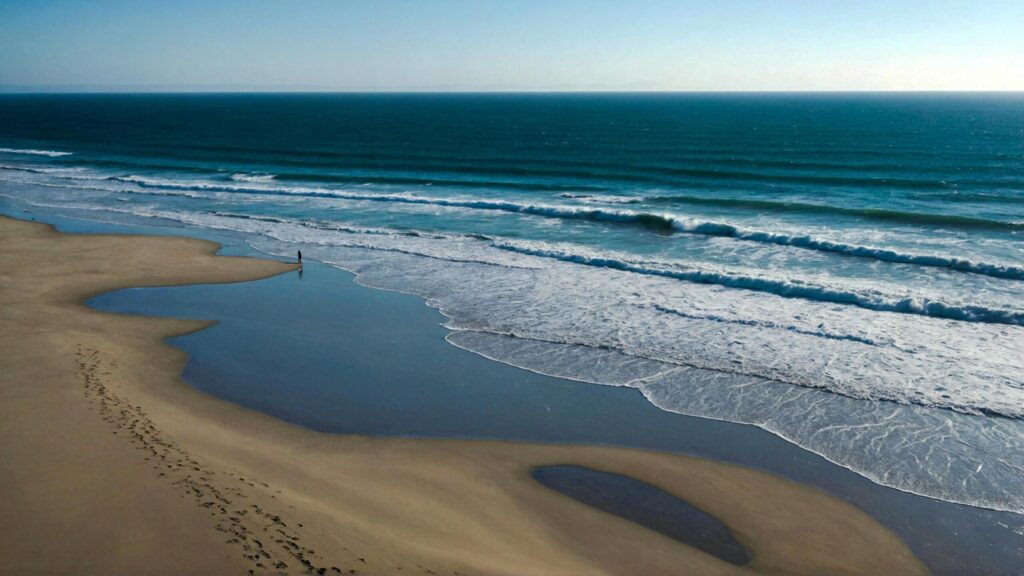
{"points": [[513, 45]]}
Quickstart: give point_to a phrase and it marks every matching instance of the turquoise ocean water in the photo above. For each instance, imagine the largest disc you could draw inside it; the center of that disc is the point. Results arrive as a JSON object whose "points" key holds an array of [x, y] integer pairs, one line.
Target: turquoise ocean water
{"points": [[845, 271]]}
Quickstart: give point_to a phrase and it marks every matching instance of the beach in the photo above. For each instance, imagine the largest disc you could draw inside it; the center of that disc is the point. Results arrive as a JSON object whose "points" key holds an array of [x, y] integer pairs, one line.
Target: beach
{"points": [[113, 465]]}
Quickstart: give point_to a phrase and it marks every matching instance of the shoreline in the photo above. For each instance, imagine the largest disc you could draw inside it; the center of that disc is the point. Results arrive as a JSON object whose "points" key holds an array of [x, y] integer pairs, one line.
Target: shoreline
{"points": [[323, 501]]}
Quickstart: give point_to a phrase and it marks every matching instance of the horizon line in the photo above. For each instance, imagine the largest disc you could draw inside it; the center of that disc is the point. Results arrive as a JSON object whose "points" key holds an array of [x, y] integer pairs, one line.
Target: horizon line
{"points": [[55, 90]]}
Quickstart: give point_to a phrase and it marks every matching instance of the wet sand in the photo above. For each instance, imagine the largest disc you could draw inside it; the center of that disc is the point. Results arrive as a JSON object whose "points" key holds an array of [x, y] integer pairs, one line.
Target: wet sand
{"points": [[112, 465]]}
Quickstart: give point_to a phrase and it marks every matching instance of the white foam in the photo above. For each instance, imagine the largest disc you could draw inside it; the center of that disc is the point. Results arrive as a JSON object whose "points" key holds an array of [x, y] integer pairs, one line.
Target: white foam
{"points": [[657, 220], [788, 287], [935, 453], [50, 153], [243, 177]]}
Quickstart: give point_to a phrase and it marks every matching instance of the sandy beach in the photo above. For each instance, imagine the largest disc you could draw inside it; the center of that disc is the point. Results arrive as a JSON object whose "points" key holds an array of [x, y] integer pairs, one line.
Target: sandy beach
{"points": [[111, 464]]}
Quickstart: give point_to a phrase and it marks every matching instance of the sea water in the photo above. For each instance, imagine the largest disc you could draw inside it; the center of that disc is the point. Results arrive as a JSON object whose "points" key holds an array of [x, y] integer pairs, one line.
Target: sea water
{"points": [[845, 271]]}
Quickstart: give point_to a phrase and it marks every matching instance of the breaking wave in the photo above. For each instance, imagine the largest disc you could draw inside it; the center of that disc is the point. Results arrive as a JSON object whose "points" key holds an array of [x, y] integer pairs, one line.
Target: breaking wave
{"points": [[243, 177], [879, 214], [787, 288], [662, 222], [50, 153]]}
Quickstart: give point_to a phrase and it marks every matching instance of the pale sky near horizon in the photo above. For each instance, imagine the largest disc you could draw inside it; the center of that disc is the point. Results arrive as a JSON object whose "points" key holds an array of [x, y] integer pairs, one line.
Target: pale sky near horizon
{"points": [[529, 45]]}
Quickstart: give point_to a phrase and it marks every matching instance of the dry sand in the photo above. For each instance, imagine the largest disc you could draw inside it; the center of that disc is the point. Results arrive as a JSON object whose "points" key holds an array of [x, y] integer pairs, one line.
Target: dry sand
{"points": [[110, 464]]}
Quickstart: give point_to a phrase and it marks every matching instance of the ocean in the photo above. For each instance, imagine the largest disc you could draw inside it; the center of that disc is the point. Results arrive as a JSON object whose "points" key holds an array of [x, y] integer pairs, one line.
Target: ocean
{"points": [[845, 271]]}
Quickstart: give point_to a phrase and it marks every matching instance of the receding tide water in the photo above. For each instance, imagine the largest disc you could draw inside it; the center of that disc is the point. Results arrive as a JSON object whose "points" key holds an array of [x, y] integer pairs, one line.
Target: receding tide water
{"points": [[846, 271]]}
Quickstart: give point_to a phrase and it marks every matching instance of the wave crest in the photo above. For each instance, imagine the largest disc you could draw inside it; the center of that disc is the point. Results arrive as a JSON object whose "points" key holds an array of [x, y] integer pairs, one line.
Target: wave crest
{"points": [[660, 222], [878, 214], [31, 152], [258, 177], [786, 288]]}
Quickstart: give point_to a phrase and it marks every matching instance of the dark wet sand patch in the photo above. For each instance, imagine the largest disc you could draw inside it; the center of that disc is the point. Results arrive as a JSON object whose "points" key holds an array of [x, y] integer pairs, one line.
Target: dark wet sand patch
{"points": [[648, 506]]}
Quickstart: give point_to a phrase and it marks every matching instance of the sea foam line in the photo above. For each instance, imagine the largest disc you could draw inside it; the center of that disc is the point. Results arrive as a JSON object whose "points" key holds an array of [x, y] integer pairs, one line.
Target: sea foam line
{"points": [[659, 221], [780, 287], [880, 214], [243, 177], [29, 151], [831, 452]]}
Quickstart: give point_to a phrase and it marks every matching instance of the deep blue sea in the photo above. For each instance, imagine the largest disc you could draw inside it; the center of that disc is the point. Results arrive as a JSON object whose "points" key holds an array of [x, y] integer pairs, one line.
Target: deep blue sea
{"points": [[845, 271]]}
